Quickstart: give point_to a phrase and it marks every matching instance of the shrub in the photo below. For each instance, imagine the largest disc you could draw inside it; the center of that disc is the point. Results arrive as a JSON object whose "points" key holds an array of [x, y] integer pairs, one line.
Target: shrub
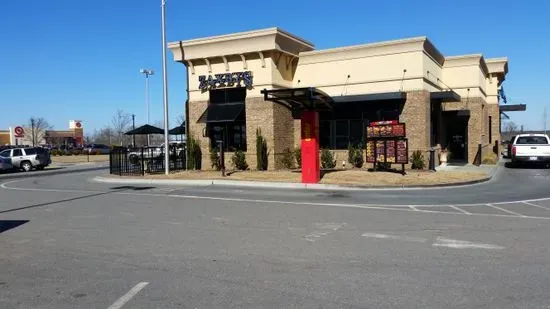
{"points": [[76, 152], [298, 157], [194, 154], [215, 162], [54, 152], [417, 160], [355, 156], [261, 151], [490, 158], [288, 159], [68, 153], [239, 160], [327, 159]]}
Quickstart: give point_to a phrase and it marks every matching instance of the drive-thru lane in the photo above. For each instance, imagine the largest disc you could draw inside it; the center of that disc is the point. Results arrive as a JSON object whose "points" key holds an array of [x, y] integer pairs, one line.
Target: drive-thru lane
{"points": [[71, 243]]}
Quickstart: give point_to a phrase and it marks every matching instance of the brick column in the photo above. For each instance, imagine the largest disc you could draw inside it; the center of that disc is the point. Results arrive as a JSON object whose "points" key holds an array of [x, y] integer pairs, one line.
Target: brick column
{"points": [[494, 112], [416, 116], [196, 108]]}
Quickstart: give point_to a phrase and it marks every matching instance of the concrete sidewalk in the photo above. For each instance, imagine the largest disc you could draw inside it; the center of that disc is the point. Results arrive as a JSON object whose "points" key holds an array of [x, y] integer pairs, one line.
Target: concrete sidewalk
{"points": [[273, 185]]}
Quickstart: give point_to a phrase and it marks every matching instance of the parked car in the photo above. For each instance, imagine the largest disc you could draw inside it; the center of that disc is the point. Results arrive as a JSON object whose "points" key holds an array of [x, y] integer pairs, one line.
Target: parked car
{"points": [[5, 164], [98, 148], [531, 148], [26, 159]]}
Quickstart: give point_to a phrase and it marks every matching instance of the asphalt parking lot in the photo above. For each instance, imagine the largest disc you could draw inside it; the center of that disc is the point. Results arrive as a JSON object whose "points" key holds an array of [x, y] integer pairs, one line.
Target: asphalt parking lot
{"points": [[68, 242]]}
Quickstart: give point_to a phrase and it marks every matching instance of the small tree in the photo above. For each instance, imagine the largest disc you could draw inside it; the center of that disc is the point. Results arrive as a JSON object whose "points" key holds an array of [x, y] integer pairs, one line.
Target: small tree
{"points": [[298, 156], [417, 160], [327, 159], [194, 154], [37, 127], [215, 159], [355, 156], [261, 151], [239, 160], [121, 123], [288, 159]]}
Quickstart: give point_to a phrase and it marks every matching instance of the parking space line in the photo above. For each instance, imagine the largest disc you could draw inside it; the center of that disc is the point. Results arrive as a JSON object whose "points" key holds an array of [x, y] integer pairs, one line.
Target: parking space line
{"points": [[126, 297], [531, 204], [459, 209], [505, 210]]}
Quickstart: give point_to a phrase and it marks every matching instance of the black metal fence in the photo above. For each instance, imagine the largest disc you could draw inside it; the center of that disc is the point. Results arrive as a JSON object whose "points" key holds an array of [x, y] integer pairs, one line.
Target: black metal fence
{"points": [[145, 160]]}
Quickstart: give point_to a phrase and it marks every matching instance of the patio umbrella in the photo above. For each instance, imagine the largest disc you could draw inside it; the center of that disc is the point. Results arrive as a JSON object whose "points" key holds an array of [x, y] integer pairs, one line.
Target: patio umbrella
{"points": [[179, 130], [144, 130]]}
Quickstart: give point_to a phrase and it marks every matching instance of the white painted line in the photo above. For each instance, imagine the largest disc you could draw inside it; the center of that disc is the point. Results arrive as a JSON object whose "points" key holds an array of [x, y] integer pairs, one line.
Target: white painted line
{"points": [[505, 210], [360, 206], [462, 244], [461, 210], [126, 297], [395, 237], [531, 204]]}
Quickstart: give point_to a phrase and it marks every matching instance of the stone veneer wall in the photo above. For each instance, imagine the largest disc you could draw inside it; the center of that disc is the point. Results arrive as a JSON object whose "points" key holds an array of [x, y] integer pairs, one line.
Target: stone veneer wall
{"points": [[494, 112], [477, 124], [416, 116]]}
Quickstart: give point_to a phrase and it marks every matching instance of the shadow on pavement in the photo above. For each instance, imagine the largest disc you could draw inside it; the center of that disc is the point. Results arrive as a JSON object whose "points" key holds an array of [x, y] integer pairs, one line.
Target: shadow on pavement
{"points": [[533, 166], [6, 225]]}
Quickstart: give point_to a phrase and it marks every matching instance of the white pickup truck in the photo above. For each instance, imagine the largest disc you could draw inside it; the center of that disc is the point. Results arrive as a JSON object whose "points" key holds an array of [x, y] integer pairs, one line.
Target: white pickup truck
{"points": [[531, 148]]}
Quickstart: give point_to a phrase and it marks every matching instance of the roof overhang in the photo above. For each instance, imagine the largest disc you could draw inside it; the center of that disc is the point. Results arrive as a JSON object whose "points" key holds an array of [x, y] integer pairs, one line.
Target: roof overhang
{"points": [[300, 99], [498, 67], [445, 96], [371, 97], [467, 60], [512, 108], [271, 39]]}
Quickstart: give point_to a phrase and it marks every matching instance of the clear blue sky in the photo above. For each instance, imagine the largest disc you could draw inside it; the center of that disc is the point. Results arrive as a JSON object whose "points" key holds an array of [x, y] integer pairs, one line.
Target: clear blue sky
{"points": [[80, 59]]}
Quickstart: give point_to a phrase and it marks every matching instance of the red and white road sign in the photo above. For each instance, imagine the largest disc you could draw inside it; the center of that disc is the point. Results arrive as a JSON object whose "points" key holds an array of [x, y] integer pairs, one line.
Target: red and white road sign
{"points": [[19, 132]]}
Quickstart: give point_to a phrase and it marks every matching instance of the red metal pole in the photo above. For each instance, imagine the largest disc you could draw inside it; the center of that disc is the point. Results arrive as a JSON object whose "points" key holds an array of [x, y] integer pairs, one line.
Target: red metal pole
{"points": [[311, 172]]}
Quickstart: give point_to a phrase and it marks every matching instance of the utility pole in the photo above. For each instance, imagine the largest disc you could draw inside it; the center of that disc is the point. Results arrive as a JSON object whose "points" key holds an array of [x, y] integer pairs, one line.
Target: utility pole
{"points": [[133, 128]]}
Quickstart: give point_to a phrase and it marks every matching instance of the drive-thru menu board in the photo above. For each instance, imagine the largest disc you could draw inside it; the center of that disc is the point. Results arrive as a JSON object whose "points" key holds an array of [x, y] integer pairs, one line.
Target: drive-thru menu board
{"points": [[387, 143]]}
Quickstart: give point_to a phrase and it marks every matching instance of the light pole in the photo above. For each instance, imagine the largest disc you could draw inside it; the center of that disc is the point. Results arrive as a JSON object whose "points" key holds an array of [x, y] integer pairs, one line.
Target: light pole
{"points": [[147, 73], [165, 88]]}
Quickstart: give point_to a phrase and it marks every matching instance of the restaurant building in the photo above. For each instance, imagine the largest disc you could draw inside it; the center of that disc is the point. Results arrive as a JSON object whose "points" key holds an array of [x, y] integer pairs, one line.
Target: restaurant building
{"points": [[22, 136], [446, 102]]}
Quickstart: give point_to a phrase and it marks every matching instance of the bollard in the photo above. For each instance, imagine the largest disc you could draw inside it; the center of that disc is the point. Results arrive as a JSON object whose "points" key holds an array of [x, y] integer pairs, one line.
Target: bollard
{"points": [[432, 160]]}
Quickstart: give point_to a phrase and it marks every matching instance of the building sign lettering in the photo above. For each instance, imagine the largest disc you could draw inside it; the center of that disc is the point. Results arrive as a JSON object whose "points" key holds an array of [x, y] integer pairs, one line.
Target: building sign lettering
{"points": [[237, 79]]}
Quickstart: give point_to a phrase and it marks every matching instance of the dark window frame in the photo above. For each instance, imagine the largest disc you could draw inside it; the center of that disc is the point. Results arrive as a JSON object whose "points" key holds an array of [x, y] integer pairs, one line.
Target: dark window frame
{"points": [[233, 133]]}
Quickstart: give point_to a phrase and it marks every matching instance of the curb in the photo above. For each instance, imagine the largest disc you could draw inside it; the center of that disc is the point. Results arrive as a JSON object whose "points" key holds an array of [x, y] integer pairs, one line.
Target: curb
{"points": [[278, 185], [61, 171]]}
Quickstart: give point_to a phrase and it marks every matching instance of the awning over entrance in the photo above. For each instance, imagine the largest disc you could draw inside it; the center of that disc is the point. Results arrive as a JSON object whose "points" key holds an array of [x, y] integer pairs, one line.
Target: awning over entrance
{"points": [[300, 99], [445, 96], [371, 97], [222, 112], [513, 108]]}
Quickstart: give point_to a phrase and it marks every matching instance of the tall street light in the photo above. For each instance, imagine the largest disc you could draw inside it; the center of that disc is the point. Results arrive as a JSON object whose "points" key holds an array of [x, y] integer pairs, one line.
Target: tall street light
{"points": [[165, 89], [147, 73]]}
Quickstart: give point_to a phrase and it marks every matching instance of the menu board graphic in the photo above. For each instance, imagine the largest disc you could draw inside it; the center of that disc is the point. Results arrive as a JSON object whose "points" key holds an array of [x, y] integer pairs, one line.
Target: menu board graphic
{"points": [[390, 151], [380, 151], [389, 130], [370, 151], [401, 152]]}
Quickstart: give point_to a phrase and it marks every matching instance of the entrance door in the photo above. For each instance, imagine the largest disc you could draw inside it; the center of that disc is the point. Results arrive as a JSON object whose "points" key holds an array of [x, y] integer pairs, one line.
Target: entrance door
{"points": [[457, 136]]}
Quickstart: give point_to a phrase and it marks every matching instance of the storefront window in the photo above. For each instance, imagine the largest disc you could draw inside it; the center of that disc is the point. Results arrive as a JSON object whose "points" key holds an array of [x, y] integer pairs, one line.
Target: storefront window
{"points": [[346, 124], [232, 129]]}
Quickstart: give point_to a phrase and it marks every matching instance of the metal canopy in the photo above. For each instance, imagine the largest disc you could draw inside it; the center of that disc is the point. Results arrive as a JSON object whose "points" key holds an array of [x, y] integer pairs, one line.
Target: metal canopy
{"points": [[445, 96], [145, 130], [179, 130], [371, 97], [222, 112], [513, 108], [299, 99]]}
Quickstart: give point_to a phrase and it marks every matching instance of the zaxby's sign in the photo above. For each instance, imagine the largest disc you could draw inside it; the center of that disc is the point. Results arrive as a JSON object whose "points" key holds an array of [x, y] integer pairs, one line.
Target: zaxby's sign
{"points": [[237, 79]]}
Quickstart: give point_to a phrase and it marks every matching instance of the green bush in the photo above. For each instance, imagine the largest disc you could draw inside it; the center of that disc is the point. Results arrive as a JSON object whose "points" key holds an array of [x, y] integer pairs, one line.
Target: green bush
{"points": [[239, 160], [327, 159], [417, 160], [261, 151], [194, 154], [355, 156], [68, 153], [76, 152], [490, 158], [215, 162], [288, 159], [54, 152], [298, 157]]}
